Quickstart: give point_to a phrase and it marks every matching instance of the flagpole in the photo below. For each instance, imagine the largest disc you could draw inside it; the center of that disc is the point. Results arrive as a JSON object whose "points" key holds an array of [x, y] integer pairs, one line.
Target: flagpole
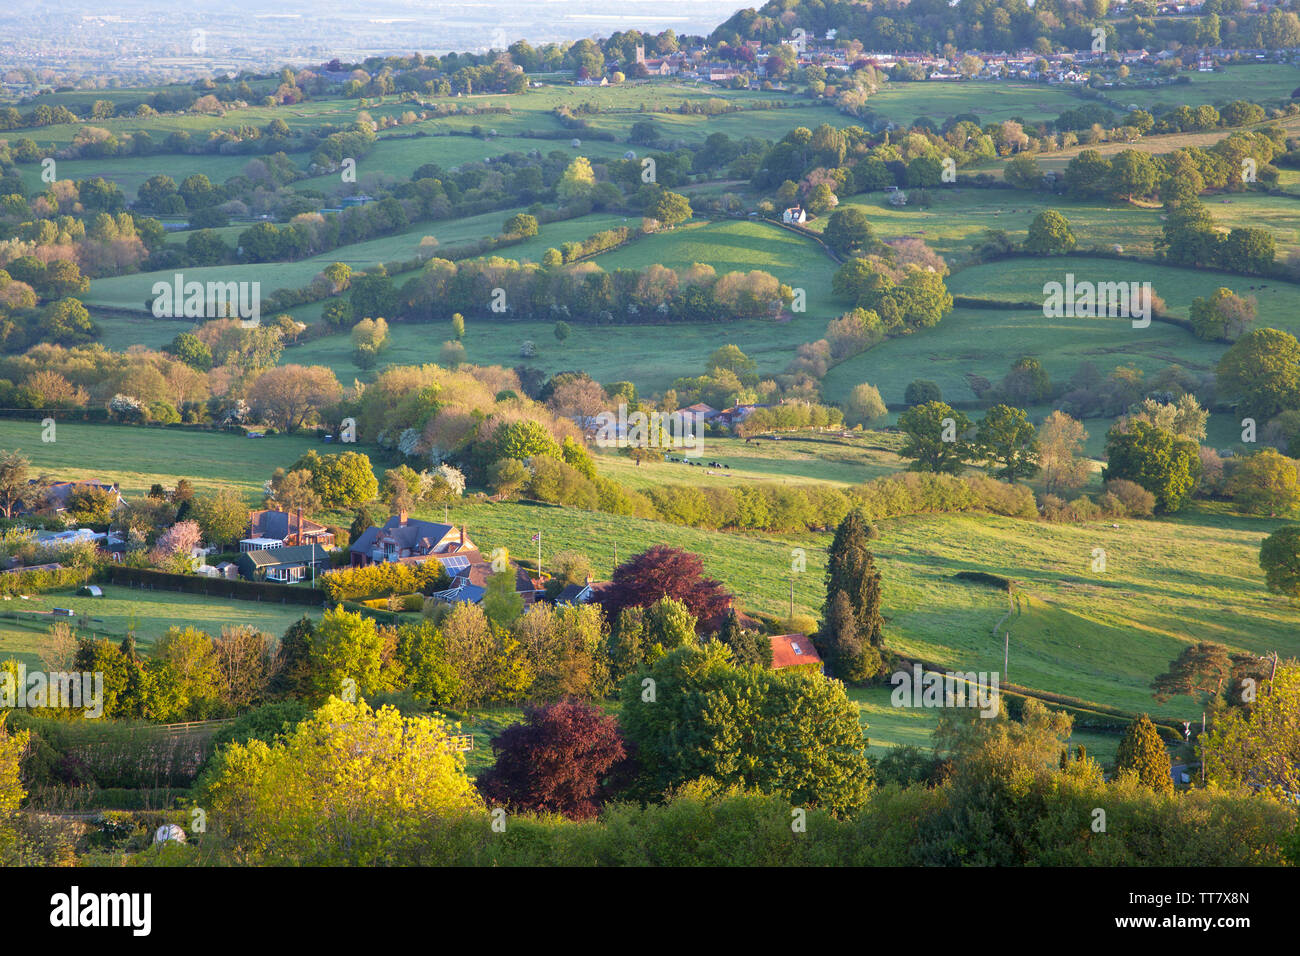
{"points": [[539, 553]]}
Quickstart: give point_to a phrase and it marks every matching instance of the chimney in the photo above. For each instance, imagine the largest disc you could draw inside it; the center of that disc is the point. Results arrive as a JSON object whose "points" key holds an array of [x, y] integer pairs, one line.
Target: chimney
{"points": [[588, 579], [401, 517], [462, 536], [298, 535]]}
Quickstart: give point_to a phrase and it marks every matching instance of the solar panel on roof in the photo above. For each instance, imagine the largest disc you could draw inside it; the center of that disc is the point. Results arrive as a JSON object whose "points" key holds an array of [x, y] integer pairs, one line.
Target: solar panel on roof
{"points": [[455, 563]]}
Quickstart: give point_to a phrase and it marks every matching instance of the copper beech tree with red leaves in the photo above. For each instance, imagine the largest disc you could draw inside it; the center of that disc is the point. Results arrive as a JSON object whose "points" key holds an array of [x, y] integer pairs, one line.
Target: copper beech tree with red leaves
{"points": [[664, 571], [559, 760]]}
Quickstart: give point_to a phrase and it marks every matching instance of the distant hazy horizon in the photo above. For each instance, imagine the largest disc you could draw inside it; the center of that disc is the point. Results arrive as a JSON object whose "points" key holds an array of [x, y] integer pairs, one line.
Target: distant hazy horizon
{"points": [[307, 28]]}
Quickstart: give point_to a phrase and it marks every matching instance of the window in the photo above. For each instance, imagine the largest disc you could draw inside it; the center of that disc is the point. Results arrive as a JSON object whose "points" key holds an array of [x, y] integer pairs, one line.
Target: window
{"points": [[797, 648]]}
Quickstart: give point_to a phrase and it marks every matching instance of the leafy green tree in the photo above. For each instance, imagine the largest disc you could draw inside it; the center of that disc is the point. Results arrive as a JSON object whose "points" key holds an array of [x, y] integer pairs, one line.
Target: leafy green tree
{"points": [[1088, 175], [222, 517], [373, 294], [1142, 753], [1133, 173], [788, 732], [293, 678], [858, 280], [346, 646], [13, 746], [347, 786], [426, 667], [1249, 250], [521, 225], [865, 406], [1279, 557], [340, 480], [507, 477], [193, 351], [1223, 317], [668, 624], [1026, 383], [1049, 235], [1258, 747], [848, 231], [921, 391], [17, 490], [1161, 462], [1266, 483], [936, 438], [670, 208], [522, 440], [1261, 371], [1022, 172], [501, 602], [1007, 438], [1189, 235], [577, 181]]}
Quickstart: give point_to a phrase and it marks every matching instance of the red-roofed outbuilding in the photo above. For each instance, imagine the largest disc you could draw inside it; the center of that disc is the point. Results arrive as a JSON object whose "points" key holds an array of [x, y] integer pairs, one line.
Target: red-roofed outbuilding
{"points": [[794, 650]]}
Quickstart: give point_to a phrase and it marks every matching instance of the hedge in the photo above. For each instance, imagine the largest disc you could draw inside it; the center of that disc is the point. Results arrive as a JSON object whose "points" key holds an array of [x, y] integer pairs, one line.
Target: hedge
{"points": [[27, 582], [215, 587], [984, 577]]}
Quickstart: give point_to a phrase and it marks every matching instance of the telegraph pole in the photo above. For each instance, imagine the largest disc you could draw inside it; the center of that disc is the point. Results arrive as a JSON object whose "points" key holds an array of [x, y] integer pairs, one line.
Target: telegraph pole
{"points": [[1006, 655]]}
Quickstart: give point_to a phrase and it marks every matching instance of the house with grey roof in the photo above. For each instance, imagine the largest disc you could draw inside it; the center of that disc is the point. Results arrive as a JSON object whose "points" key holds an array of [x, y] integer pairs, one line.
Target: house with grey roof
{"points": [[403, 538]]}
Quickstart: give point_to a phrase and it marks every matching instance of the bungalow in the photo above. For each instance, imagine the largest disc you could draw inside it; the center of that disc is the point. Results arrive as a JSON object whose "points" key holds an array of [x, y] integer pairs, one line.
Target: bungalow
{"points": [[406, 539], [274, 529], [285, 565], [794, 650], [795, 215]]}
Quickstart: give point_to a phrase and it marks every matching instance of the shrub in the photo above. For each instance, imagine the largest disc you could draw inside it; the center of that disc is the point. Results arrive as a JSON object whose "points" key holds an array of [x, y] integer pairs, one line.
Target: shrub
{"points": [[1137, 501]]}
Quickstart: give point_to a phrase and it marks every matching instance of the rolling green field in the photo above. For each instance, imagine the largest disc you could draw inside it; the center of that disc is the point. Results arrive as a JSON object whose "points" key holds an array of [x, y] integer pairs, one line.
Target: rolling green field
{"points": [[793, 458], [652, 356], [131, 291], [137, 456], [731, 245], [1022, 280], [148, 613], [985, 342]]}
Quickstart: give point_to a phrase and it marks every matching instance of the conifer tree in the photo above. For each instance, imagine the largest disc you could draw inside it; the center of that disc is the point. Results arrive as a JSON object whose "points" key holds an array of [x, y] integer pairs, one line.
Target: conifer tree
{"points": [[851, 568], [1142, 752]]}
